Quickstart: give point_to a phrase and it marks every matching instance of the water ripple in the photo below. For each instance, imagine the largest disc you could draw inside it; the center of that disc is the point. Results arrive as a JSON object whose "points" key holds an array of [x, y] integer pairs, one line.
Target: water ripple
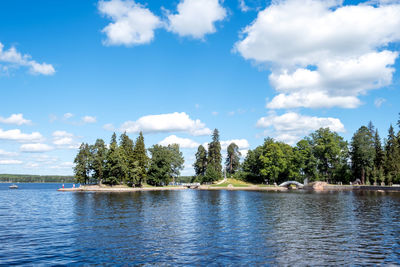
{"points": [[41, 226]]}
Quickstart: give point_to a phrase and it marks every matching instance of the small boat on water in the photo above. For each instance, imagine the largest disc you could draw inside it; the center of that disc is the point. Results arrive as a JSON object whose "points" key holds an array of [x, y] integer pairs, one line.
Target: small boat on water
{"points": [[14, 186]]}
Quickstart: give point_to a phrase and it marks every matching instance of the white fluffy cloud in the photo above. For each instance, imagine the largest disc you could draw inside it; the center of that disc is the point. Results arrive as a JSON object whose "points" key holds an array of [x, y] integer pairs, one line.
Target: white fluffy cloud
{"points": [[323, 54], [17, 135], [243, 7], [6, 153], [10, 162], [62, 165], [63, 139], [291, 126], [35, 148], [109, 127], [89, 119], [44, 159], [14, 59], [182, 142], [133, 24], [32, 165], [170, 122], [68, 115], [379, 101], [196, 18], [17, 119]]}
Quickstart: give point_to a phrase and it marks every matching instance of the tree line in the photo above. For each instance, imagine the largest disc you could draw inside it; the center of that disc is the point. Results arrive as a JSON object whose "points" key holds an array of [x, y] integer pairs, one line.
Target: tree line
{"points": [[27, 178], [321, 156], [127, 162]]}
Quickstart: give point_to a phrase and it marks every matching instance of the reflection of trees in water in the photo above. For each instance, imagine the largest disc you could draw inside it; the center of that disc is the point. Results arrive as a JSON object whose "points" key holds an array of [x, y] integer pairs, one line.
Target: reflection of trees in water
{"points": [[237, 227]]}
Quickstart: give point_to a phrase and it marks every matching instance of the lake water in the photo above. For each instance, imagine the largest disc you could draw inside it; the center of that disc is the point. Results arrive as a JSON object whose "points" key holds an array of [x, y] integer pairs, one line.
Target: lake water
{"points": [[39, 225]]}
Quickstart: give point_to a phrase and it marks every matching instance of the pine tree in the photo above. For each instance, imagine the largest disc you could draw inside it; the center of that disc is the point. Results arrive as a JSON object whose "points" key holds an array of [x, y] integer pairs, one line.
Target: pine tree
{"points": [[140, 156], [177, 160], [200, 164], [392, 159], [362, 153], [82, 164], [115, 171], [371, 128], [98, 153], [379, 153], [214, 156], [126, 146], [232, 162]]}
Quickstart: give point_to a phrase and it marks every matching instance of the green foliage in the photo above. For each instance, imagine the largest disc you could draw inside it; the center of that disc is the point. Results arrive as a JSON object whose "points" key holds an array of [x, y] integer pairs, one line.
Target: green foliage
{"points": [[177, 160], [127, 163], [330, 151], [98, 153], [27, 178], [166, 163], [115, 167], [214, 155], [362, 153], [140, 156], [305, 160], [232, 162], [379, 153], [200, 165], [277, 161], [82, 164], [392, 159], [252, 165], [211, 175], [126, 150], [323, 154], [381, 175], [184, 179]]}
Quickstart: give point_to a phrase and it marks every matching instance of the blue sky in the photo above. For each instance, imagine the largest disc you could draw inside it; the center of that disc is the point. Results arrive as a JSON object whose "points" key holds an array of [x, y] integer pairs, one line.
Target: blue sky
{"points": [[73, 71]]}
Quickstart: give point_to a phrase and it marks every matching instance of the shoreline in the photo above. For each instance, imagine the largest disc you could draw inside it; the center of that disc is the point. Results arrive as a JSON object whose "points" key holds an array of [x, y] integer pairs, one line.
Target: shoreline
{"points": [[97, 188], [320, 188], [118, 189]]}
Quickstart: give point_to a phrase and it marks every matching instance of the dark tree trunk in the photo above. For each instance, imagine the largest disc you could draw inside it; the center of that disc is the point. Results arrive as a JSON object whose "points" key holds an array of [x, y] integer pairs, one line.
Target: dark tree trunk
{"points": [[362, 176]]}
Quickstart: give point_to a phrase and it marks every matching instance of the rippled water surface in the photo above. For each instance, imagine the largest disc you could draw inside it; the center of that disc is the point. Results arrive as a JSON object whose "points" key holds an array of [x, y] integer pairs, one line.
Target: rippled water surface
{"points": [[39, 225]]}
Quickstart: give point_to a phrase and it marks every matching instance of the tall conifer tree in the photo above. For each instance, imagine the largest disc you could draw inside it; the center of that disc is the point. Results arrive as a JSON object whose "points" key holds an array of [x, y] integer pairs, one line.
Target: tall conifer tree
{"points": [[232, 162], [82, 164], [98, 153], [362, 153], [392, 159], [200, 164], [115, 171], [214, 156], [126, 147], [141, 159]]}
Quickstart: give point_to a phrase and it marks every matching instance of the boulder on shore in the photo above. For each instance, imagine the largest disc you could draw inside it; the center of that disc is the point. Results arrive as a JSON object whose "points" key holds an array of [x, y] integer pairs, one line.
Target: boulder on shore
{"points": [[316, 186]]}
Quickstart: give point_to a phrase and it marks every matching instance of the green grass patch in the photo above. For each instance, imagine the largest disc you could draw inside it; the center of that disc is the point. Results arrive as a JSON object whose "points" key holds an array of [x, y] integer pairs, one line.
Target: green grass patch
{"points": [[233, 182], [265, 185]]}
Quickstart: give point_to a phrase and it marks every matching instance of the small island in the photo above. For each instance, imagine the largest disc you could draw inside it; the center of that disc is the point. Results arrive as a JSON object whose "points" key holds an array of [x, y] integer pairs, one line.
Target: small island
{"points": [[322, 161]]}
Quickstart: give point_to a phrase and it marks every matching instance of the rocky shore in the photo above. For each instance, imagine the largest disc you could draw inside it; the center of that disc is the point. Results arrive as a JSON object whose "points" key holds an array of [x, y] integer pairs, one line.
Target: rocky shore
{"points": [[323, 186], [315, 186]]}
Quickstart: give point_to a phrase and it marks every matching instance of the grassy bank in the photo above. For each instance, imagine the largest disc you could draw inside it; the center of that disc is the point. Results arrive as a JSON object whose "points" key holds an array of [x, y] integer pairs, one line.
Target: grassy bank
{"points": [[233, 182]]}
